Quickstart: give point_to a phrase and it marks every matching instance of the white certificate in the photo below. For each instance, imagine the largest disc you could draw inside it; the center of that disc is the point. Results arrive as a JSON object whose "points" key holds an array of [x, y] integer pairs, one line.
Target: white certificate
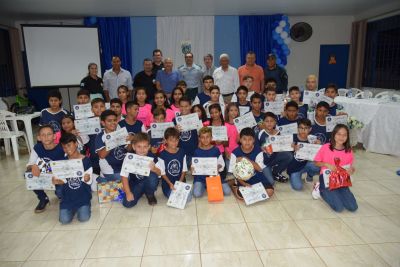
{"points": [[219, 133], [288, 129], [243, 110], [205, 166], [64, 169], [136, 164], [108, 105], [158, 129], [307, 151], [43, 182], [83, 111], [309, 97], [332, 121], [281, 143], [188, 122], [116, 139], [246, 120], [275, 107], [88, 126], [253, 194], [179, 197], [321, 97], [325, 174]]}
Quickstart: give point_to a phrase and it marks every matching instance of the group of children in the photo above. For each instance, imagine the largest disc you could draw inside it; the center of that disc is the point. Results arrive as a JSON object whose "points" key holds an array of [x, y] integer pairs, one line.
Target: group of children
{"points": [[172, 155]]}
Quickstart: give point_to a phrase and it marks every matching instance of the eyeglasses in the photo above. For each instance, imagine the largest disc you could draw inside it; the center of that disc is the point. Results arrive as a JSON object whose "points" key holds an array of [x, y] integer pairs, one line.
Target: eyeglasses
{"points": [[304, 128]]}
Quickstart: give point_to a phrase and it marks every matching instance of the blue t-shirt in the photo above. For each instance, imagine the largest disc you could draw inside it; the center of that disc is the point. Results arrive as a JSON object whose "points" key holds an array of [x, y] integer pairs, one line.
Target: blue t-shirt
{"points": [[285, 121], [320, 132], [112, 163], [168, 81], [296, 164], [53, 119], [334, 109], [263, 138], [94, 158], [172, 164], [302, 114], [132, 129], [46, 156], [188, 140], [213, 152], [76, 193], [259, 119], [203, 98]]}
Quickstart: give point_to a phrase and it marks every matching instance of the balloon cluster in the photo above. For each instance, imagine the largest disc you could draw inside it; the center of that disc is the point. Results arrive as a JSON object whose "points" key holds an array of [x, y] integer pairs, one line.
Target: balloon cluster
{"points": [[280, 34], [90, 21]]}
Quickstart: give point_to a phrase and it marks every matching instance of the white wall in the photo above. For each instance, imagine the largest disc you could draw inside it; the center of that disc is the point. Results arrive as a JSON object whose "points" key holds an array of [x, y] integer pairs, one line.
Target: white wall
{"points": [[304, 56]]}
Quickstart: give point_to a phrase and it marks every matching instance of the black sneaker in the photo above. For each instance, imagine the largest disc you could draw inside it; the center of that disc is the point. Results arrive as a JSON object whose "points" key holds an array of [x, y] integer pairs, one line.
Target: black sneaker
{"points": [[152, 200], [42, 205], [280, 178]]}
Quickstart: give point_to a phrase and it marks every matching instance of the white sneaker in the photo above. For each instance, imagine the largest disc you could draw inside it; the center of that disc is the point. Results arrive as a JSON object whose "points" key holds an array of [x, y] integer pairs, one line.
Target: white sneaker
{"points": [[315, 193]]}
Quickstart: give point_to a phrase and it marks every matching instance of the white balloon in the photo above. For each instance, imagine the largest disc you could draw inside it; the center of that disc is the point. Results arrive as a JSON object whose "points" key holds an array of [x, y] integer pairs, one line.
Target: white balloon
{"points": [[287, 41], [278, 29], [282, 23], [284, 35]]}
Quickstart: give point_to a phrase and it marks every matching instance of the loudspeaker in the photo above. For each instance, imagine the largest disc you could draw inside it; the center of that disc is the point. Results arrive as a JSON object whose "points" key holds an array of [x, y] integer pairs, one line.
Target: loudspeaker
{"points": [[301, 31]]}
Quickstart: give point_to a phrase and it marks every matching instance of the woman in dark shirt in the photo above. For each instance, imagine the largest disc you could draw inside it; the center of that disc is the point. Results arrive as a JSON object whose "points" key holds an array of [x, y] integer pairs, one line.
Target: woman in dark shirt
{"points": [[92, 82]]}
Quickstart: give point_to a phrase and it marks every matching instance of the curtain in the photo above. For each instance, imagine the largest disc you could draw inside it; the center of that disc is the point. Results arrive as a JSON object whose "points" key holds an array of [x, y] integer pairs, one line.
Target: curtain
{"points": [[198, 31], [256, 35], [17, 58], [356, 57], [7, 82], [115, 39]]}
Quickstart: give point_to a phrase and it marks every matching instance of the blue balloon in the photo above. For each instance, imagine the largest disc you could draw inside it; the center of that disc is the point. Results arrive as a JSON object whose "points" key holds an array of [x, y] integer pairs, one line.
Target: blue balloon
{"points": [[280, 41], [284, 61], [285, 18], [92, 20], [287, 28], [278, 60], [288, 52]]}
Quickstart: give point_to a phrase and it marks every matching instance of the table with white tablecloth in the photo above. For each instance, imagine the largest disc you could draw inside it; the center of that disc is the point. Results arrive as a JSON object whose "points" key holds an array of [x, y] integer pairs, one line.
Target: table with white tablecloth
{"points": [[381, 119]]}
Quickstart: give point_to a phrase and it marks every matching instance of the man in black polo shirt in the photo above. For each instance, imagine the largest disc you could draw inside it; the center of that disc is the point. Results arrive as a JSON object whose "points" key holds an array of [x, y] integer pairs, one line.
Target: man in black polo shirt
{"points": [[146, 78], [157, 61], [272, 70], [92, 82]]}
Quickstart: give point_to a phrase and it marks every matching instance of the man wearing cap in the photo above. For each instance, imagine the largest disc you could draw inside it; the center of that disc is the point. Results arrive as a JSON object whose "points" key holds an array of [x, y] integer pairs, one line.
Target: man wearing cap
{"points": [[226, 77], [192, 74], [115, 77], [277, 73], [250, 68]]}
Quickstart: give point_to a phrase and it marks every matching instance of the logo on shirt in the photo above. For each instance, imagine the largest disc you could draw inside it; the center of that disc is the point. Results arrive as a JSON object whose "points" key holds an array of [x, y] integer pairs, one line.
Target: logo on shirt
{"points": [[119, 153], [186, 136], [44, 165], [174, 167], [321, 137], [74, 183]]}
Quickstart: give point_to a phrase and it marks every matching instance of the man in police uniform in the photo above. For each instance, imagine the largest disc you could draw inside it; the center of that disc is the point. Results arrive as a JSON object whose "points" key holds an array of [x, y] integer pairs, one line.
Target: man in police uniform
{"points": [[272, 70], [192, 74]]}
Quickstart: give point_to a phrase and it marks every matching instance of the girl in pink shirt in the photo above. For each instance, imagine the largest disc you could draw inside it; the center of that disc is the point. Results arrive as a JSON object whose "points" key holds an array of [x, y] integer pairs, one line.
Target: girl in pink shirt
{"points": [[123, 92], [144, 114], [231, 113], [160, 101], [176, 95], [339, 147]]}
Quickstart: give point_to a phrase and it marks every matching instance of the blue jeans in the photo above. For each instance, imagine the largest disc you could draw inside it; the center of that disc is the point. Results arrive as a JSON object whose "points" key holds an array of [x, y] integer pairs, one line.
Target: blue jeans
{"points": [[295, 177], [339, 199], [199, 188], [281, 161], [268, 175], [109, 177], [146, 186], [41, 195], [83, 214]]}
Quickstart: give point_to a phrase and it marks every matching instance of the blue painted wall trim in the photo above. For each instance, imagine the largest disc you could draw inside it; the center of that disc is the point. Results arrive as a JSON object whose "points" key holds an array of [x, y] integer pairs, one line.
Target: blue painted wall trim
{"points": [[227, 38], [144, 40]]}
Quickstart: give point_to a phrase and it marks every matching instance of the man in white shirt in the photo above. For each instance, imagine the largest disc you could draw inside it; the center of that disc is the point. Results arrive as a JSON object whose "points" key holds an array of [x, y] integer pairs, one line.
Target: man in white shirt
{"points": [[115, 77], [226, 77]]}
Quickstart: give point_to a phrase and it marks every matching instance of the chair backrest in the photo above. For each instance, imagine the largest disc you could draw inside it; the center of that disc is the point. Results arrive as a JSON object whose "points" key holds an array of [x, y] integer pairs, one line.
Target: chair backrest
{"points": [[342, 91], [3, 125], [384, 94], [354, 91], [322, 90]]}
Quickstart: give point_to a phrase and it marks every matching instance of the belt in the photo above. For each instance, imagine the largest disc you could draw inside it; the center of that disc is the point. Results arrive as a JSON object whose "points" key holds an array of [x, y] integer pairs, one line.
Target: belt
{"points": [[227, 94]]}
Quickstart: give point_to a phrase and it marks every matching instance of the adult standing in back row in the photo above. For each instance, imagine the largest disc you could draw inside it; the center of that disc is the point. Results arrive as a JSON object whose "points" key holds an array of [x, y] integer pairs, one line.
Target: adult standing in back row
{"points": [[115, 77], [192, 74], [226, 77], [272, 70], [250, 68], [92, 82], [167, 78]]}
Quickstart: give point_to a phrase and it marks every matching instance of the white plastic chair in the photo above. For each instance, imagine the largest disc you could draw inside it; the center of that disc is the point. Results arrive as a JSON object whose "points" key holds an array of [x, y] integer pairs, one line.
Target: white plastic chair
{"points": [[343, 91], [389, 95], [322, 90], [366, 94], [6, 134]]}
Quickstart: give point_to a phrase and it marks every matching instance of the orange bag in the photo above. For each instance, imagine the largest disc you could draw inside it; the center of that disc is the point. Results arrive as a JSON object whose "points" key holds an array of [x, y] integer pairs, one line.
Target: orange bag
{"points": [[214, 189]]}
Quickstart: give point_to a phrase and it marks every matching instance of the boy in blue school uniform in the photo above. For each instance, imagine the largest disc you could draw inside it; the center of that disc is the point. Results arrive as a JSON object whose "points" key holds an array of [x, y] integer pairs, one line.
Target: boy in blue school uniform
{"points": [[132, 125], [110, 161], [276, 161], [256, 110], [54, 113], [39, 161], [76, 191], [295, 95], [319, 126], [250, 150], [291, 114], [135, 185], [207, 150], [331, 91], [242, 103], [188, 140], [98, 106], [172, 162], [159, 115], [298, 166]]}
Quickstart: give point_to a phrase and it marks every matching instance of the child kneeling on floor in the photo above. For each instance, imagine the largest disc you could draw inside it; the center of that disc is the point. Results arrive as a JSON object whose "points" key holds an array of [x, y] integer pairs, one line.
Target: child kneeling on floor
{"points": [[76, 191], [135, 185]]}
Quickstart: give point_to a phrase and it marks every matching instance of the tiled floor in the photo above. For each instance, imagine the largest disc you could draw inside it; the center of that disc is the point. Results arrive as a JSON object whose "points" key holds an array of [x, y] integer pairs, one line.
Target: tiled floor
{"points": [[290, 229]]}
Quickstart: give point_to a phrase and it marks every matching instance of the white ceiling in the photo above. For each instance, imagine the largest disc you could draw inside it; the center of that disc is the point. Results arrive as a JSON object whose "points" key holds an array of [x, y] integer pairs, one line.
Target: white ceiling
{"points": [[51, 9]]}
